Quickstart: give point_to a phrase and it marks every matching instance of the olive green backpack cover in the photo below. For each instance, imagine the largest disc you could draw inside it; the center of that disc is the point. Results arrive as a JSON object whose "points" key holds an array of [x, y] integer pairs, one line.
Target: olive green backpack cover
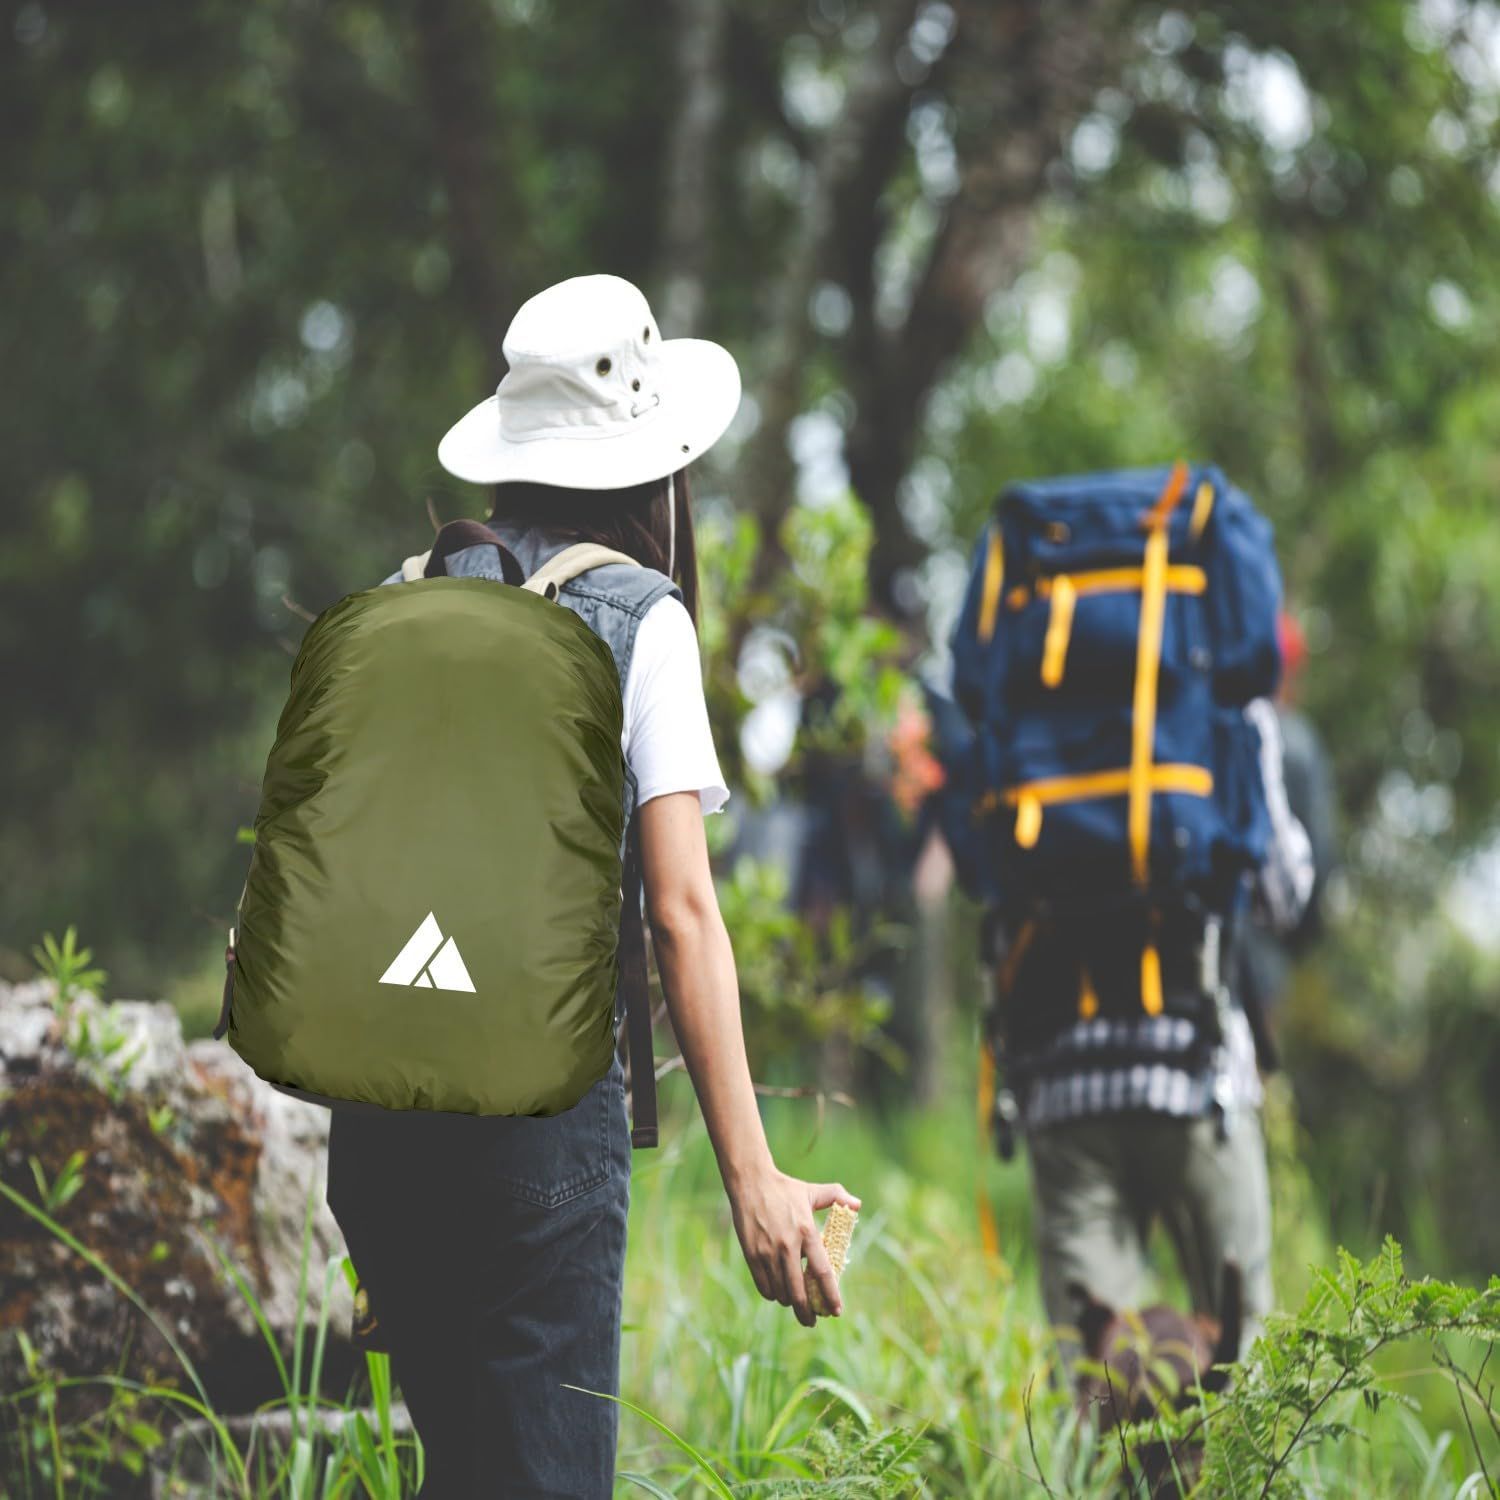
{"points": [[433, 917]]}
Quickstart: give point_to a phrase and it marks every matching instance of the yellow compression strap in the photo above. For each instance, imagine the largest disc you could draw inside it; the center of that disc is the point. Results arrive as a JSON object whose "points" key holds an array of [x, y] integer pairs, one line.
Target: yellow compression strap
{"points": [[1182, 578], [1191, 781], [994, 576], [1151, 995], [1147, 670], [1031, 797], [1203, 508], [1059, 630], [1088, 997]]}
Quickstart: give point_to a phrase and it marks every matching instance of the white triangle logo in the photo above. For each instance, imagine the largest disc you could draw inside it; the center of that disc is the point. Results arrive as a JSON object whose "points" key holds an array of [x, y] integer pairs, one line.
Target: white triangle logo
{"points": [[429, 961]]}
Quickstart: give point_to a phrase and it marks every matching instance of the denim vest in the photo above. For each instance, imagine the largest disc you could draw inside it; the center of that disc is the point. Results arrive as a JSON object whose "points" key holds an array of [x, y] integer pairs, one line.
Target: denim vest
{"points": [[612, 600]]}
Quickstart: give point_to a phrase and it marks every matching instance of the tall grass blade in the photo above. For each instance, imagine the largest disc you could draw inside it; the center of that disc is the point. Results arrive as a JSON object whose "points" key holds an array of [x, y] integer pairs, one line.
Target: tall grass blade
{"points": [[711, 1476]]}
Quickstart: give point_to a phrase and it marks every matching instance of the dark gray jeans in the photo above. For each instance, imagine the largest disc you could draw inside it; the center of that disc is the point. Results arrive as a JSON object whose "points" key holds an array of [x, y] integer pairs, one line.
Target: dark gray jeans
{"points": [[493, 1251]]}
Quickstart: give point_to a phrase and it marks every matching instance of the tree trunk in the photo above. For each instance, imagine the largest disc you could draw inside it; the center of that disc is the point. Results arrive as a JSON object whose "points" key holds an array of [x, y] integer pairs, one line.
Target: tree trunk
{"points": [[1020, 76], [457, 63], [690, 151], [877, 94]]}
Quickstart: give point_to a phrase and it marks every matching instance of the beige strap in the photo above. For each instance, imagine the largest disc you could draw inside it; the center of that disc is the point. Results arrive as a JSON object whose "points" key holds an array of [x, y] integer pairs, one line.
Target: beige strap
{"points": [[569, 563], [415, 567]]}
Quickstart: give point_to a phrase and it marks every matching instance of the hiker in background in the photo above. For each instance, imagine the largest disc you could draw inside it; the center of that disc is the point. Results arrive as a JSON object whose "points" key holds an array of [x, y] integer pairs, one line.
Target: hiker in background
{"points": [[1111, 796], [1268, 945], [493, 1248], [1133, 1122]]}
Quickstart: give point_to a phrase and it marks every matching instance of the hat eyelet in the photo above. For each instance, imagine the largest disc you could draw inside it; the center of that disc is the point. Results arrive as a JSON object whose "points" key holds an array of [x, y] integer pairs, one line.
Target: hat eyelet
{"points": [[684, 447], [646, 335], [604, 366], [635, 385]]}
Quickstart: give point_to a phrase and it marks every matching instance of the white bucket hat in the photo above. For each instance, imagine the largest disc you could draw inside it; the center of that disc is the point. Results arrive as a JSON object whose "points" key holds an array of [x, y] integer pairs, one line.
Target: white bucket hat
{"points": [[594, 397]]}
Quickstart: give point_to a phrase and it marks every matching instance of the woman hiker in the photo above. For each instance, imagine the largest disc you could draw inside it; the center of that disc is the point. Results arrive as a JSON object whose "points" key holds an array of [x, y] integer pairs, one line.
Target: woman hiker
{"points": [[494, 1248]]}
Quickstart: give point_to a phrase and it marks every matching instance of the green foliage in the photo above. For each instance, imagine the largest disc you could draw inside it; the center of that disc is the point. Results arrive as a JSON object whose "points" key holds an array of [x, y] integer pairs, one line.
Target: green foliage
{"points": [[810, 630], [802, 983], [1312, 1376], [797, 985], [851, 656], [68, 966], [847, 1461], [1422, 1037]]}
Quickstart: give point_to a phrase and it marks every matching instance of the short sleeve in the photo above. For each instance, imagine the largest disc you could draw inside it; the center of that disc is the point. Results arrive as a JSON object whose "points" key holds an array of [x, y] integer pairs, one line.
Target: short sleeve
{"points": [[667, 741]]}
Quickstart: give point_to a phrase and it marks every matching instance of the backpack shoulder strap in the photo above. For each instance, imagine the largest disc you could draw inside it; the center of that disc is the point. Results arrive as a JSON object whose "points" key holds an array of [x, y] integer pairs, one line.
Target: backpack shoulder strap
{"points": [[569, 563], [636, 992]]}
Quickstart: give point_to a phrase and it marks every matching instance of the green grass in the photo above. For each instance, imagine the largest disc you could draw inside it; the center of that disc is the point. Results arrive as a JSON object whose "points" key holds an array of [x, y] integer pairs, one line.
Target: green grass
{"points": [[937, 1380], [936, 1338]]}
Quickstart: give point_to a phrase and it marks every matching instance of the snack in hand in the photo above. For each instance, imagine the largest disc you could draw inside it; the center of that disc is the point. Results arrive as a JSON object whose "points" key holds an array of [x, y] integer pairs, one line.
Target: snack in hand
{"points": [[838, 1230]]}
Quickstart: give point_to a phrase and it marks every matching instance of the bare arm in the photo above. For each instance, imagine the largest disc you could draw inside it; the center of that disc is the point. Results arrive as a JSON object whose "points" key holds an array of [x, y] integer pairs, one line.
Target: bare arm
{"points": [[773, 1213]]}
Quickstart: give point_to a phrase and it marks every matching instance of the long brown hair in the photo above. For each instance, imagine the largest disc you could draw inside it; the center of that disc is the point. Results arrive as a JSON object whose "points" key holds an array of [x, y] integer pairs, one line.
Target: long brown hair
{"points": [[634, 521]]}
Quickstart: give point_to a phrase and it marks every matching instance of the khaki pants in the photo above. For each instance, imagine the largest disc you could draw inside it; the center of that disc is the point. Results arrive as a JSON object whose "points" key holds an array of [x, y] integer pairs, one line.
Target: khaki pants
{"points": [[1099, 1184]]}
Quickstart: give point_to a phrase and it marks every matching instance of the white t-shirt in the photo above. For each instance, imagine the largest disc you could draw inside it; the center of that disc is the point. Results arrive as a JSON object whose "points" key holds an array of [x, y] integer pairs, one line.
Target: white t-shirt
{"points": [[667, 742]]}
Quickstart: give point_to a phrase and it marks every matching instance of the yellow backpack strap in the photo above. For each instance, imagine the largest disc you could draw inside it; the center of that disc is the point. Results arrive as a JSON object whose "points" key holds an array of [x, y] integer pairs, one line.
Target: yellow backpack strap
{"points": [[1147, 671], [1088, 996], [1203, 508], [994, 578], [1059, 631], [1152, 999]]}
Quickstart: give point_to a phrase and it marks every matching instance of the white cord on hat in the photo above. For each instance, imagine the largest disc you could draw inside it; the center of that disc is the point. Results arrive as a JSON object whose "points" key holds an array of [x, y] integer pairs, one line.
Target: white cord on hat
{"points": [[671, 525]]}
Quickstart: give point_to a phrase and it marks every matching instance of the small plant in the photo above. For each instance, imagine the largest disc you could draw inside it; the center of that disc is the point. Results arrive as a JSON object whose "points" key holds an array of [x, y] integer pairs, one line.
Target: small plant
{"points": [[68, 966], [847, 1459], [57, 1194], [801, 985], [99, 1041]]}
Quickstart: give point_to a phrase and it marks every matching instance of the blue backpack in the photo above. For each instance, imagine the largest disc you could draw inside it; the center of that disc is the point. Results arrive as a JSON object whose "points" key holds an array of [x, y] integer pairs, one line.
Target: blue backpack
{"points": [[1114, 627]]}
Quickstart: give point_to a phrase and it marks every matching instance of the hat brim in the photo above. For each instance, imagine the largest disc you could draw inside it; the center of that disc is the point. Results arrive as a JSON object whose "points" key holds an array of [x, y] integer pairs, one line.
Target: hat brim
{"points": [[700, 393]]}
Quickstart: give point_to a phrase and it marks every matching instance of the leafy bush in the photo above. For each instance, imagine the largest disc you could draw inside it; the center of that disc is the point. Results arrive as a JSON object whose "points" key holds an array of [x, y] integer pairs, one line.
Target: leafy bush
{"points": [[1313, 1374]]}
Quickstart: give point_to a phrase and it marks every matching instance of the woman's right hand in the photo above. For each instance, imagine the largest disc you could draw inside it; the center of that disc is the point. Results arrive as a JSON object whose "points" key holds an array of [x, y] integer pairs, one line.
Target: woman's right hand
{"points": [[773, 1216]]}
